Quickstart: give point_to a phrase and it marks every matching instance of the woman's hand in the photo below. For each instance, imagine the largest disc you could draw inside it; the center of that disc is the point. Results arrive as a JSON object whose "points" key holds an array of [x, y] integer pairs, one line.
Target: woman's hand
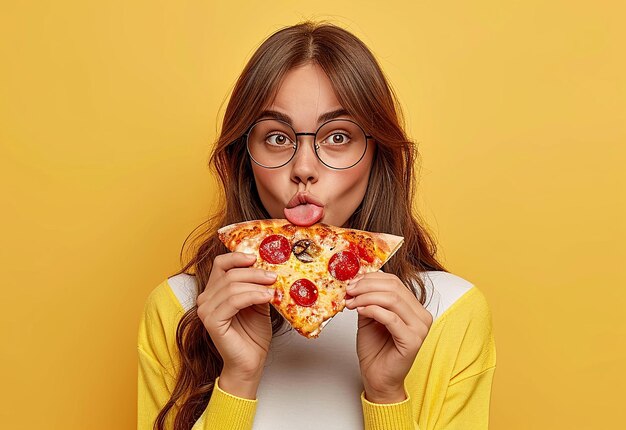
{"points": [[392, 327], [234, 308]]}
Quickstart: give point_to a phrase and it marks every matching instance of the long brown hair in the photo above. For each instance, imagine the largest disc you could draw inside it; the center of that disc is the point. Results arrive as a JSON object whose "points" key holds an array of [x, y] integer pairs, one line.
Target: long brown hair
{"points": [[362, 89]]}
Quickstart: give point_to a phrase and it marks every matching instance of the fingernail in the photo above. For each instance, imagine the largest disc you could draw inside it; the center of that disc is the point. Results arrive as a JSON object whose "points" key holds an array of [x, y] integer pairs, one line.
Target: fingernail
{"points": [[270, 291], [250, 256], [270, 274]]}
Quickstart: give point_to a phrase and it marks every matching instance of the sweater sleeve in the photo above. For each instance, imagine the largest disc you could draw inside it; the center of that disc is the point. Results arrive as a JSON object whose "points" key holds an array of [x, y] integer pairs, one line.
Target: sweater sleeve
{"points": [[466, 405], [226, 411], [464, 371], [156, 375], [152, 390], [467, 398], [397, 416]]}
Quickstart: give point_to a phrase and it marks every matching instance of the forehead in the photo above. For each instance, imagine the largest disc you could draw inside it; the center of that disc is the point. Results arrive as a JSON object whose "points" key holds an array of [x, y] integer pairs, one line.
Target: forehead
{"points": [[306, 98]]}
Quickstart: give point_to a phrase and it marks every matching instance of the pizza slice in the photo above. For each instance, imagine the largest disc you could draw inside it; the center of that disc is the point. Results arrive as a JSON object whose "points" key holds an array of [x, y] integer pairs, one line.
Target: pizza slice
{"points": [[314, 264]]}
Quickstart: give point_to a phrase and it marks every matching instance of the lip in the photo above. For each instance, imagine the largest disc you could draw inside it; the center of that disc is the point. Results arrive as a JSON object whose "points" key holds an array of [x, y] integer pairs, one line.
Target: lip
{"points": [[302, 198]]}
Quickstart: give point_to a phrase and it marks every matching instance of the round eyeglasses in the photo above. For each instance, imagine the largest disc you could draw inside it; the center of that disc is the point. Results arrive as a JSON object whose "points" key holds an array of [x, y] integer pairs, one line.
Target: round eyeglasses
{"points": [[338, 143]]}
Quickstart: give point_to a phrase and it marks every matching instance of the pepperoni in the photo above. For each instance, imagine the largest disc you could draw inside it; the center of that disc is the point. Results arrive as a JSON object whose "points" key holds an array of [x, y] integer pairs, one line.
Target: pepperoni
{"points": [[363, 252], [275, 249], [344, 265], [303, 292]]}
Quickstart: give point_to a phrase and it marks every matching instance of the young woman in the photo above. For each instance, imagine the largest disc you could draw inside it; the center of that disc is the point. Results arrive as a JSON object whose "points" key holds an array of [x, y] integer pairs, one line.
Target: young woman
{"points": [[414, 347]]}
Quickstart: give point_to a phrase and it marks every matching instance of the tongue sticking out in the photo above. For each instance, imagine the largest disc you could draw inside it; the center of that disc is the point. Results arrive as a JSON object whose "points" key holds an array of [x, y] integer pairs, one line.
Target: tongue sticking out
{"points": [[304, 215]]}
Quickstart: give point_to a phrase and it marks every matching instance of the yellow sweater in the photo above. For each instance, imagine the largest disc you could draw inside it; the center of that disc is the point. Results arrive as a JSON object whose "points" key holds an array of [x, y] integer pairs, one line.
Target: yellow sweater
{"points": [[448, 387]]}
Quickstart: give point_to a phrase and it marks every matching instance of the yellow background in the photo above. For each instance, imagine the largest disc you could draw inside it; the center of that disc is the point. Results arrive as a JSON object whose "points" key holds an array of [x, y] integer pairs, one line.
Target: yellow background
{"points": [[108, 111]]}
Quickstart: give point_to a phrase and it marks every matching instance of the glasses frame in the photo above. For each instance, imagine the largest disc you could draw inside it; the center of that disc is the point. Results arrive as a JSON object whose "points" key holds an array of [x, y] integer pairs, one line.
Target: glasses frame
{"points": [[316, 147]]}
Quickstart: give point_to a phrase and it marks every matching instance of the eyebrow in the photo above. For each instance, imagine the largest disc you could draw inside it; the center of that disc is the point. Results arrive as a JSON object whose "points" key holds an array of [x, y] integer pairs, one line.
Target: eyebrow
{"points": [[284, 117]]}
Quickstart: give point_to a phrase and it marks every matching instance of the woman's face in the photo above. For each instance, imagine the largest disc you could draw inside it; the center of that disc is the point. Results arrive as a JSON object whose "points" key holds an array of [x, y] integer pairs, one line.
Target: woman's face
{"points": [[304, 95]]}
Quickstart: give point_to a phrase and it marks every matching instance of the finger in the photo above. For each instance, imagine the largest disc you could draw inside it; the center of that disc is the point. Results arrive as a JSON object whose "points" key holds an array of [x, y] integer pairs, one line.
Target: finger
{"points": [[376, 275], [234, 289], [247, 274], [366, 285], [390, 301], [393, 323], [373, 275], [225, 262], [233, 304]]}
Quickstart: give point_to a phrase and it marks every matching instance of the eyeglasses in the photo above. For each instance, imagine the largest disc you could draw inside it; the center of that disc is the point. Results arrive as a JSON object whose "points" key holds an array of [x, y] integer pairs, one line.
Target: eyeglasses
{"points": [[338, 143]]}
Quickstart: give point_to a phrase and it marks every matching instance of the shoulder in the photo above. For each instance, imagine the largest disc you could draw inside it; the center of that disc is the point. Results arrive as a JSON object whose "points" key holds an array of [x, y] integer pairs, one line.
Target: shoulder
{"points": [[174, 295], [447, 293], [462, 308], [185, 289], [462, 324]]}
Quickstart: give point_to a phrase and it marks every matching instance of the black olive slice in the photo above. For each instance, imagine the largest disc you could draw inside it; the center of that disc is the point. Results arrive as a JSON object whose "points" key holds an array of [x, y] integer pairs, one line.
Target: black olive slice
{"points": [[306, 250]]}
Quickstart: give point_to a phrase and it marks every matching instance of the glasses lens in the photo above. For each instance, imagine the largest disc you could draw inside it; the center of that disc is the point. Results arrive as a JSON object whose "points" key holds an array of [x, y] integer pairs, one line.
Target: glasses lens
{"points": [[271, 143], [341, 143]]}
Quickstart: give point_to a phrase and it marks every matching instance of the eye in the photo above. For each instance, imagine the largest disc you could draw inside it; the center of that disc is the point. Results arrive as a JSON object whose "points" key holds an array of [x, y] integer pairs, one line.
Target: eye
{"points": [[280, 140], [336, 138]]}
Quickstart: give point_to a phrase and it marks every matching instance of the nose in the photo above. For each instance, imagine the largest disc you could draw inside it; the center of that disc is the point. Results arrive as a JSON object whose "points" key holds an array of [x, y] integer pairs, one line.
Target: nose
{"points": [[305, 164]]}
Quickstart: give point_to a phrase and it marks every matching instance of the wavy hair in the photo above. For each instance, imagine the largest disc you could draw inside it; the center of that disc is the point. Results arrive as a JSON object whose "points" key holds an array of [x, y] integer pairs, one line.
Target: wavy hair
{"points": [[362, 89]]}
